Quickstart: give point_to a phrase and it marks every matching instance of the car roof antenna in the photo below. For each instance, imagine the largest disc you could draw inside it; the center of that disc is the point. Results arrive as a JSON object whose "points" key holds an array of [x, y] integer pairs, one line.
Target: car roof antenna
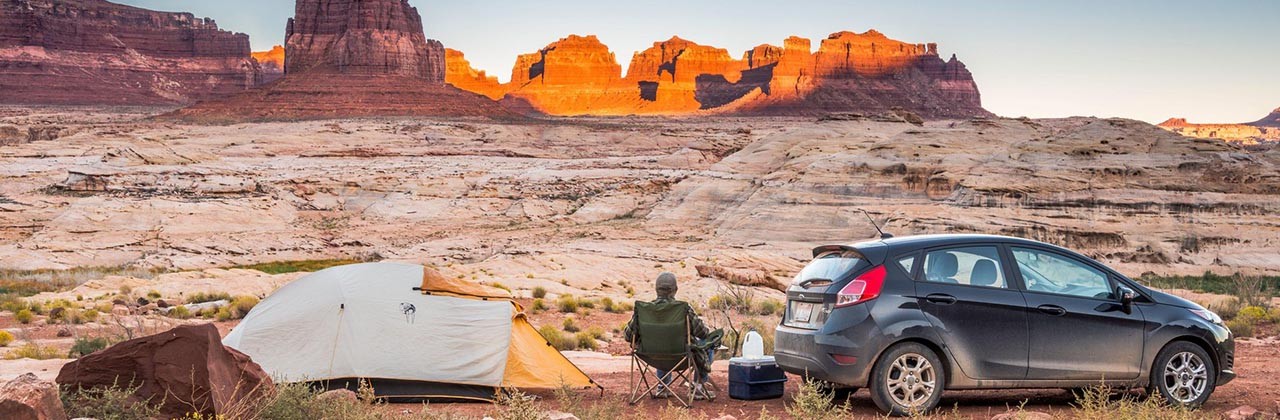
{"points": [[883, 235]]}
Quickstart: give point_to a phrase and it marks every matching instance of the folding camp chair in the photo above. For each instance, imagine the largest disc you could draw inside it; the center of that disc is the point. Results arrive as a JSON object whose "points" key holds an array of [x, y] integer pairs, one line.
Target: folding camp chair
{"points": [[663, 341]]}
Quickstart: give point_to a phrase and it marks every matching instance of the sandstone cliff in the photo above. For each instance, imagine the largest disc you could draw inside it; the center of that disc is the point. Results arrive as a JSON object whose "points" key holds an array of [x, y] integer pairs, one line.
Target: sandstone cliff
{"points": [[347, 58], [850, 72], [272, 62], [53, 51], [1266, 130]]}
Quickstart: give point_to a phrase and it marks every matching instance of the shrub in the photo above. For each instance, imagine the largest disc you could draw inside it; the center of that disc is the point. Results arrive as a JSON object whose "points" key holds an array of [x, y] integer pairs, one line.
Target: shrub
{"points": [[34, 351], [24, 316], [587, 303], [1240, 327], [5, 338], [79, 298], [11, 302], [1274, 315], [1097, 403], [153, 295], [1227, 309], [202, 297], [1252, 314], [126, 290], [90, 315], [241, 305], [539, 305], [501, 286], [557, 339], [585, 341], [224, 314], [86, 345], [208, 313], [516, 405], [567, 303], [539, 292], [36, 308], [570, 326], [769, 307], [812, 402], [596, 333], [180, 312], [113, 403]]}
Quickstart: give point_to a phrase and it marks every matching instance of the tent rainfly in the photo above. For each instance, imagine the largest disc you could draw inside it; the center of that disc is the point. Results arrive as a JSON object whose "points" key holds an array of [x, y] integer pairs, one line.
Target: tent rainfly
{"points": [[407, 330]]}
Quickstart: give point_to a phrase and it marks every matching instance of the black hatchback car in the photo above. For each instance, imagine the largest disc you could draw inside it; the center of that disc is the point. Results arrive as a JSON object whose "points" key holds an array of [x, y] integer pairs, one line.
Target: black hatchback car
{"points": [[909, 317]]}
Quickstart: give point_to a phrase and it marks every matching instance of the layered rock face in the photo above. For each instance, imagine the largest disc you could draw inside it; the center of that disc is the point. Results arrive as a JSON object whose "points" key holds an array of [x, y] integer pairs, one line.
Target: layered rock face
{"points": [[1264, 131], [351, 58], [272, 63], [377, 37], [458, 72], [52, 50], [850, 72]]}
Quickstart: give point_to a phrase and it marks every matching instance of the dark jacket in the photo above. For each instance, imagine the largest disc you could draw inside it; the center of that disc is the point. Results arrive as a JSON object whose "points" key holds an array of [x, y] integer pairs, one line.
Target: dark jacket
{"points": [[696, 327]]}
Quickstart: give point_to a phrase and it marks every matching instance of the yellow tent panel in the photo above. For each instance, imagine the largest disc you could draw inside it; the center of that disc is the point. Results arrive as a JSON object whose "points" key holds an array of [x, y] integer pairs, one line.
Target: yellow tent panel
{"points": [[434, 283], [533, 363]]}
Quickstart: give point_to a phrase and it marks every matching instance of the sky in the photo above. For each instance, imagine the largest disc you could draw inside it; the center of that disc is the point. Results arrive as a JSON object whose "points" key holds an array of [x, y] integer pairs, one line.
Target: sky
{"points": [[1208, 61]]}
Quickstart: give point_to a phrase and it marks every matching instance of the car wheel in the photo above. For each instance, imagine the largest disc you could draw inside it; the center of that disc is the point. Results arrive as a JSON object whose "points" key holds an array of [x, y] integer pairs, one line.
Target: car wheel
{"points": [[908, 379], [1184, 374]]}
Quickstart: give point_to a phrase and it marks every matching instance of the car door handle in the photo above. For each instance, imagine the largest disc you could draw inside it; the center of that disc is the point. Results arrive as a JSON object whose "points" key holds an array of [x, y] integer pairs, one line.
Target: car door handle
{"points": [[1054, 310], [941, 299]]}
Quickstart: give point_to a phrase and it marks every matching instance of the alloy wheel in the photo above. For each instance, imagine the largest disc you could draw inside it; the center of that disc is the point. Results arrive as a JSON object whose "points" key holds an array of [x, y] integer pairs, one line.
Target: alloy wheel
{"points": [[1185, 377], [911, 380]]}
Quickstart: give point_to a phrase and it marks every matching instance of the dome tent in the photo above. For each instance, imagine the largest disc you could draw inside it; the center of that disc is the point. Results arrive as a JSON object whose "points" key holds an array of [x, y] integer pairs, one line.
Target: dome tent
{"points": [[407, 330]]}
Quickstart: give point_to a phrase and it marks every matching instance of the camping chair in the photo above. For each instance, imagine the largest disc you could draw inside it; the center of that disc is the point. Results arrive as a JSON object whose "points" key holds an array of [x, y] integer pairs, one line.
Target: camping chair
{"points": [[663, 341]]}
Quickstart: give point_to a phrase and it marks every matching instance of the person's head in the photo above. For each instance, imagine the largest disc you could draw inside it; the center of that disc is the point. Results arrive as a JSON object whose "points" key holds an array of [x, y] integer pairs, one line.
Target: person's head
{"points": [[666, 285]]}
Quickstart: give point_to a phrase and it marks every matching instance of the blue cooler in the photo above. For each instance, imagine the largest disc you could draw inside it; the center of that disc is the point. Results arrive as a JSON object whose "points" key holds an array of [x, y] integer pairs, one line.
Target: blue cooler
{"points": [[755, 379]]}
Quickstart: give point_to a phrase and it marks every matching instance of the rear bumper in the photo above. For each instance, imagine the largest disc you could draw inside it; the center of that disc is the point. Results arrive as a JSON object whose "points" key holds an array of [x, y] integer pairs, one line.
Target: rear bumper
{"points": [[808, 353]]}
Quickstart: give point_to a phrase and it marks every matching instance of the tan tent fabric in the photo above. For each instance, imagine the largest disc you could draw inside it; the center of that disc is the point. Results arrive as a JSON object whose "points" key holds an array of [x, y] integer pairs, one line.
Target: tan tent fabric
{"points": [[437, 284], [367, 321], [533, 363]]}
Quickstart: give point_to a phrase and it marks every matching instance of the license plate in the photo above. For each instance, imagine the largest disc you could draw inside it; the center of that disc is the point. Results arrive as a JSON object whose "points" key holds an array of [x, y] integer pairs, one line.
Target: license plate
{"points": [[801, 312]]}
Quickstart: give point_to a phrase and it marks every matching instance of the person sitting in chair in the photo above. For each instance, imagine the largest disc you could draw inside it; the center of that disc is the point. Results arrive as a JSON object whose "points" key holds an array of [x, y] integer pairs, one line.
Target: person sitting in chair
{"points": [[666, 289]]}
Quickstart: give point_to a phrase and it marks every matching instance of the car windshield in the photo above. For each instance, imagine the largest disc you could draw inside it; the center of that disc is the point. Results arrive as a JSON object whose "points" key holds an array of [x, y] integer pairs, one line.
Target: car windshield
{"points": [[829, 266]]}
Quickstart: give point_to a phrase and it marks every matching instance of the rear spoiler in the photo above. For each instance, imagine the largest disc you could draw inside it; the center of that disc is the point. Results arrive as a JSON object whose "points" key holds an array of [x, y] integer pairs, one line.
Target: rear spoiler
{"points": [[872, 252]]}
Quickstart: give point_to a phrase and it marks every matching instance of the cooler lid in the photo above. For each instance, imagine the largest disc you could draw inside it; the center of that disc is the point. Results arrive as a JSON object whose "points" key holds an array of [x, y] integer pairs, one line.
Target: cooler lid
{"points": [[763, 361]]}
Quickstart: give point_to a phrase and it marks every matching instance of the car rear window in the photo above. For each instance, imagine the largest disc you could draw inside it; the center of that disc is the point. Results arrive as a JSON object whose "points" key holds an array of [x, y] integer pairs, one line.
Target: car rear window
{"points": [[830, 265]]}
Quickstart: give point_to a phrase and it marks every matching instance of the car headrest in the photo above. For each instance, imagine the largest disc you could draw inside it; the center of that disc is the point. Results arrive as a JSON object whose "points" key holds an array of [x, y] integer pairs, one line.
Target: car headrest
{"points": [[943, 265], [984, 273]]}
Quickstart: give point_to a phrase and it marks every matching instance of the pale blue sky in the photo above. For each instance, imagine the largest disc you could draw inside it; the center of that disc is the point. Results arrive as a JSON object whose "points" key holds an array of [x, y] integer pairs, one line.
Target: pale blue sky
{"points": [[1209, 61]]}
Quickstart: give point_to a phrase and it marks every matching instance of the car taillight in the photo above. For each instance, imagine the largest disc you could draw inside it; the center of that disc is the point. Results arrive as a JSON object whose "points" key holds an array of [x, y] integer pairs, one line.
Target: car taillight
{"points": [[865, 287]]}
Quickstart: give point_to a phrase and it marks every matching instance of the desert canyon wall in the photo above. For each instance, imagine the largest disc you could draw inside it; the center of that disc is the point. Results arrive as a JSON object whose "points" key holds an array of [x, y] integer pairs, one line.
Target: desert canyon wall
{"points": [[850, 72], [1265, 130], [351, 58], [53, 51], [272, 62]]}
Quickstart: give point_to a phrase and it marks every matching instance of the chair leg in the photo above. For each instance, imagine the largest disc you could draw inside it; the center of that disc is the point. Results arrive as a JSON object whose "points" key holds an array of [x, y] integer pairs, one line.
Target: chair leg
{"points": [[638, 378]]}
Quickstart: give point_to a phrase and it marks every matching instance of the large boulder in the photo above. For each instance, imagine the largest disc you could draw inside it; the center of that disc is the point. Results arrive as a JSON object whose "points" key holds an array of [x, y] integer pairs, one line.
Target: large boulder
{"points": [[29, 398], [182, 370]]}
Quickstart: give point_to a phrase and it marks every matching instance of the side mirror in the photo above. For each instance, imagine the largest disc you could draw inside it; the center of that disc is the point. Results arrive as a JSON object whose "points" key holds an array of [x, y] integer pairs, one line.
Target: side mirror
{"points": [[1127, 296]]}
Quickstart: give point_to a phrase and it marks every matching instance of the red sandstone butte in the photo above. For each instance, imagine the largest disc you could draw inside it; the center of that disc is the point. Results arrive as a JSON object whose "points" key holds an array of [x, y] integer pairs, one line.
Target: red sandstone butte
{"points": [[89, 52], [352, 58], [850, 72], [272, 62]]}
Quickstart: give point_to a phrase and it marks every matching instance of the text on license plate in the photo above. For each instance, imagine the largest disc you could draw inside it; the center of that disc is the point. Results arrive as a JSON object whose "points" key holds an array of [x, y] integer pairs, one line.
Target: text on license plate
{"points": [[801, 312]]}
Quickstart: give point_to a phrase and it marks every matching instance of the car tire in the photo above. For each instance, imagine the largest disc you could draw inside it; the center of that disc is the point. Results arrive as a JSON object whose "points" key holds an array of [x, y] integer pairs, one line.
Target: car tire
{"points": [[1183, 374], [908, 379]]}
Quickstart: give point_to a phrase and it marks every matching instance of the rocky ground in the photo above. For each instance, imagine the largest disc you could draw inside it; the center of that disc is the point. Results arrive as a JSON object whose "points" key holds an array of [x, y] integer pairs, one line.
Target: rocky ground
{"points": [[598, 207]]}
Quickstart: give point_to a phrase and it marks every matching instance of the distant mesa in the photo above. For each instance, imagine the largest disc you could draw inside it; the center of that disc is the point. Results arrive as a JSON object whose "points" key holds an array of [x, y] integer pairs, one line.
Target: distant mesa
{"points": [[351, 58], [850, 72], [91, 52], [1265, 130], [272, 63]]}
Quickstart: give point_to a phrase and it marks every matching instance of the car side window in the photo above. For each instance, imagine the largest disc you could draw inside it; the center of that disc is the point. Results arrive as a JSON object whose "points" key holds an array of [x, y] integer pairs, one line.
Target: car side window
{"points": [[907, 263], [973, 266], [1044, 271]]}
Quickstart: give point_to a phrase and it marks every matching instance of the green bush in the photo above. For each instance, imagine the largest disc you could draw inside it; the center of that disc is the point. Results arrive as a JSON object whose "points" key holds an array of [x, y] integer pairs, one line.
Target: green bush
{"points": [[1252, 314], [34, 351], [539, 292], [570, 326], [86, 345], [24, 316], [1240, 327], [224, 314], [585, 341], [203, 297], [113, 403], [241, 305], [180, 312], [567, 303], [11, 302], [90, 315], [558, 339], [5, 338], [153, 295], [769, 307], [539, 305], [812, 401]]}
